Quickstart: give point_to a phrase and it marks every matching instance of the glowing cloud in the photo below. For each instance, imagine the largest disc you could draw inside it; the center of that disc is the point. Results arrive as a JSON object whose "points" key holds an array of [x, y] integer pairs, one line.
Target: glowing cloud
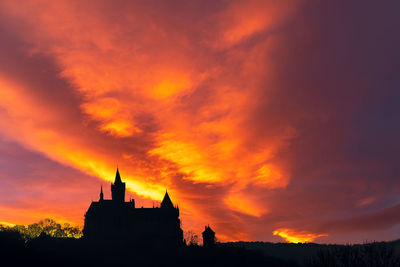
{"points": [[243, 204], [294, 236]]}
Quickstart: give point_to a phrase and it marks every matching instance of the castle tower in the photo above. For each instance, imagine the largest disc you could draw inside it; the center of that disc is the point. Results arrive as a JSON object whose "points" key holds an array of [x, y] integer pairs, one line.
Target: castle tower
{"points": [[118, 189], [208, 237]]}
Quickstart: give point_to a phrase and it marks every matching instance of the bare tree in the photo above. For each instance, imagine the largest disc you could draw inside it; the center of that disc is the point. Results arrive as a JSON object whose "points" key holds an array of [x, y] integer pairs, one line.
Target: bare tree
{"points": [[191, 238]]}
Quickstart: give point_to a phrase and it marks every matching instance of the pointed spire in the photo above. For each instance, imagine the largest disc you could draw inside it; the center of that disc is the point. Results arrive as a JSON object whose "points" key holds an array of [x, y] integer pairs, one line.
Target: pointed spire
{"points": [[166, 202], [118, 189], [101, 193], [117, 178]]}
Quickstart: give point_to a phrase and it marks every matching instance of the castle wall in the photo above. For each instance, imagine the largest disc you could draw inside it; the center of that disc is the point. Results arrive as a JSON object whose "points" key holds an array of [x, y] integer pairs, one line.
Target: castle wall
{"points": [[151, 225]]}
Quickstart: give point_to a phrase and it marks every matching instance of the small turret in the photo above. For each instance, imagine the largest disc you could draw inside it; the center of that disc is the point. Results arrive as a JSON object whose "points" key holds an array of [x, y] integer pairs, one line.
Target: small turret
{"points": [[208, 237], [101, 193]]}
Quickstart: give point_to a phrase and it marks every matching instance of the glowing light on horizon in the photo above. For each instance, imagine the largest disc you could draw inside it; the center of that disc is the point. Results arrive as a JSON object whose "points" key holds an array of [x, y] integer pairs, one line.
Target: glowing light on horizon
{"points": [[294, 236], [7, 223]]}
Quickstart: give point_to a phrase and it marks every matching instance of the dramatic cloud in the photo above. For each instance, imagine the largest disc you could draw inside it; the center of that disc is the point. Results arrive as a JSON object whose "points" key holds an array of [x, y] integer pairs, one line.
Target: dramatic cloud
{"points": [[262, 118]]}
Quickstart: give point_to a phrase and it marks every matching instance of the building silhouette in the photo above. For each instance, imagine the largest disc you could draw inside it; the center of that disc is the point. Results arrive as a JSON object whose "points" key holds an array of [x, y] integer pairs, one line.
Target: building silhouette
{"points": [[114, 220], [208, 237]]}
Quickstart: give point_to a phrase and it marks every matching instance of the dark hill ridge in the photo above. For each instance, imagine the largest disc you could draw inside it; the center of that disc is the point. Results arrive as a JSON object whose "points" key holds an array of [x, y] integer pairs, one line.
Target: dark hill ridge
{"points": [[302, 253]]}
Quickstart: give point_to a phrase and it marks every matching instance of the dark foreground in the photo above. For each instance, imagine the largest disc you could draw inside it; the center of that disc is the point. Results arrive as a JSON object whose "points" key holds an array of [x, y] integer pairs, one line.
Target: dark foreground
{"points": [[49, 251]]}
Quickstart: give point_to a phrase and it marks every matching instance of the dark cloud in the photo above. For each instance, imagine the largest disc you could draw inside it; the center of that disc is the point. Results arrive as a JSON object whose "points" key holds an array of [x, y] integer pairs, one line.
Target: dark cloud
{"points": [[376, 221]]}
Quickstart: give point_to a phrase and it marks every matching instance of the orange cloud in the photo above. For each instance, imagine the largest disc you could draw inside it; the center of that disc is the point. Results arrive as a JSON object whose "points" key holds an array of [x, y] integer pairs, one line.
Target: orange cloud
{"points": [[244, 204], [271, 177], [170, 86], [238, 24]]}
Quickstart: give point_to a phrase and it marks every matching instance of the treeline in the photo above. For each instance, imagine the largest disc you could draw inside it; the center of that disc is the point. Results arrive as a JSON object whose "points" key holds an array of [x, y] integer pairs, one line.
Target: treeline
{"points": [[47, 227], [374, 254]]}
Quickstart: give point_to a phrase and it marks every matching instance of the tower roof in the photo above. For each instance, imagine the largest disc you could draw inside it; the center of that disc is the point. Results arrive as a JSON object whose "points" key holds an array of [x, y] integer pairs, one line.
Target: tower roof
{"points": [[117, 178], [208, 230], [166, 202]]}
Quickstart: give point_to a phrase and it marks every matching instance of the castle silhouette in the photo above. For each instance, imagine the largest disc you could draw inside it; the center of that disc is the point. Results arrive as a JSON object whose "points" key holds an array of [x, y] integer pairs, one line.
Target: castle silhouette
{"points": [[116, 220]]}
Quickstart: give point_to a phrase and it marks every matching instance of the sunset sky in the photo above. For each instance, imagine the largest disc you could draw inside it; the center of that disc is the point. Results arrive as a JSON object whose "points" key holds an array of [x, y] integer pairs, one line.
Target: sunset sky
{"points": [[268, 120]]}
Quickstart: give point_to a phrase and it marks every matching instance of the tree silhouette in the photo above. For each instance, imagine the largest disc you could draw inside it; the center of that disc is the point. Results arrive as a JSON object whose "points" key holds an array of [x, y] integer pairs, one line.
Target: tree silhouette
{"points": [[47, 226], [191, 238]]}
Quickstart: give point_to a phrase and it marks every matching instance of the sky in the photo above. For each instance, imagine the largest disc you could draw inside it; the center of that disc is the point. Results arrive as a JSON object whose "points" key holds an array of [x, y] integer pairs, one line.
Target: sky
{"points": [[267, 120]]}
